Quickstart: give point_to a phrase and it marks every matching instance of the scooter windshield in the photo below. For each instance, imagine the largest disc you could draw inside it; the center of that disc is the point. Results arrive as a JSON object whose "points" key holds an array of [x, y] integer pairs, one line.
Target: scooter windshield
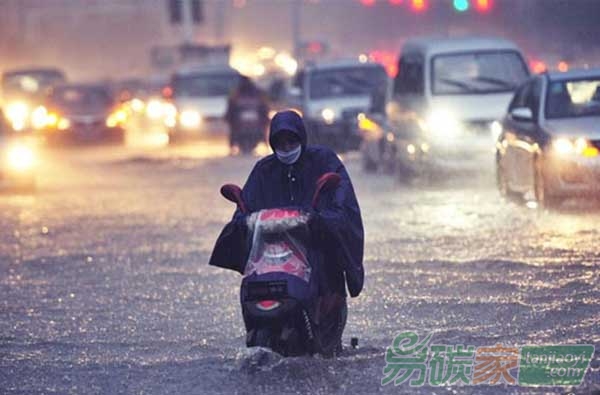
{"points": [[278, 243]]}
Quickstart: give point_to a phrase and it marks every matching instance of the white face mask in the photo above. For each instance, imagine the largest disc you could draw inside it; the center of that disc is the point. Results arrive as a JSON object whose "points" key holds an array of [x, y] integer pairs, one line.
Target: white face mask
{"points": [[289, 157]]}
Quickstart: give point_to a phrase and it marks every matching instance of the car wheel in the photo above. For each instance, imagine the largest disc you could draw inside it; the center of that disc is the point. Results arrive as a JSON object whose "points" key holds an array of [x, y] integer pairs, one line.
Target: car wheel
{"points": [[542, 193]]}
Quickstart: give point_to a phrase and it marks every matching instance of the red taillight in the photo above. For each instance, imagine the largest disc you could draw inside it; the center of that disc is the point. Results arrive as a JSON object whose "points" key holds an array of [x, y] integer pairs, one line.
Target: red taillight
{"points": [[167, 92], [267, 305]]}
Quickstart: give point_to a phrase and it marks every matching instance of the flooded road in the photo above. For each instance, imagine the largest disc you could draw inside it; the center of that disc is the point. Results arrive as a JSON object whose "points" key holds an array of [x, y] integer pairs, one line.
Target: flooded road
{"points": [[106, 288]]}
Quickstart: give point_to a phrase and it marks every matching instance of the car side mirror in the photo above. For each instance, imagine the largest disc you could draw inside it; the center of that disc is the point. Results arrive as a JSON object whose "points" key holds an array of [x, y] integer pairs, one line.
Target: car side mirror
{"points": [[523, 114]]}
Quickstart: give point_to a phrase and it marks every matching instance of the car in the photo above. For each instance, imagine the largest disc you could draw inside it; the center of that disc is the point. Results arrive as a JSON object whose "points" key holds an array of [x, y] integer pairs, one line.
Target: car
{"points": [[149, 115], [200, 96], [447, 100], [548, 149], [23, 93], [331, 95], [83, 113], [17, 159]]}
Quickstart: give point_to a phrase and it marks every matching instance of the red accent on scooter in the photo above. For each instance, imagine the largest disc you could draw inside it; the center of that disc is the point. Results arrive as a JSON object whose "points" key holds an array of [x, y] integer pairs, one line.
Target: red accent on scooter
{"points": [[267, 305]]}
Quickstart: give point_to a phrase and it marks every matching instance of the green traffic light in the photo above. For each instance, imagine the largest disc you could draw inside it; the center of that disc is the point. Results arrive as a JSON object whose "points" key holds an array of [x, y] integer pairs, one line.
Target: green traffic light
{"points": [[461, 5]]}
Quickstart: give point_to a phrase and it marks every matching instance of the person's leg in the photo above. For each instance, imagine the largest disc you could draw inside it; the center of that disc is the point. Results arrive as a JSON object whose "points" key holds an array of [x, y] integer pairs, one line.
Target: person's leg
{"points": [[333, 311]]}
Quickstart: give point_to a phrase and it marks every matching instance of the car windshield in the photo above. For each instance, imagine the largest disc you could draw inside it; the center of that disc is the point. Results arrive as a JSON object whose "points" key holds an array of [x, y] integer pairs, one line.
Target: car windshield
{"points": [[570, 99], [351, 81], [473, 73], [205, 85], [80, 97], [30, 82]]}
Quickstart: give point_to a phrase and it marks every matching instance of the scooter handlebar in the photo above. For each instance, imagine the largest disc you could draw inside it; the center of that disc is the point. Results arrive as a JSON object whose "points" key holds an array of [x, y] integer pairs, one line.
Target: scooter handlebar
{"points": [[233, 193], [326, 181]]}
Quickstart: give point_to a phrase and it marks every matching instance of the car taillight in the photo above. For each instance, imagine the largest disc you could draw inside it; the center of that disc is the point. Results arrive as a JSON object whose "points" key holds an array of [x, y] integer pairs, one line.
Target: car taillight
{"points": [[267, 305]]}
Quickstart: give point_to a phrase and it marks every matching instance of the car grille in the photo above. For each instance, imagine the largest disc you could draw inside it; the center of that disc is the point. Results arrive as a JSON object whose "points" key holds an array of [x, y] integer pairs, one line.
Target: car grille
{"points": [[351, 113], [93, 124], [479, 127], [213, 118]]}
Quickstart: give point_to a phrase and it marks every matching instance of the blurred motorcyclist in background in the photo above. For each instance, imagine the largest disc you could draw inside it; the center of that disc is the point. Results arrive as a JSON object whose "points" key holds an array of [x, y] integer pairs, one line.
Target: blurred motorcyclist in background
{"points": [[247, 115]]}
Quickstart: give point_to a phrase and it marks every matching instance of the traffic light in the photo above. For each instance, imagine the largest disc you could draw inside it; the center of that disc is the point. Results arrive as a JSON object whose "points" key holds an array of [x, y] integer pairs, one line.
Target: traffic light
{"points": [[418, 5], [368, 3], [483, 5], [175, 8], [461, 5]]}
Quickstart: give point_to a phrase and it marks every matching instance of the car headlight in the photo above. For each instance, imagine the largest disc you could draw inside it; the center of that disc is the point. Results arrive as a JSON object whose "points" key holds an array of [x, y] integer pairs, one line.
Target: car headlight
{"points": [[39, 117], [190, 119], [17, 111], [155, 109], [579, 146], [137, 105], [17, 114], [20, 157], [169, 110], [443, 124], [328, 115], [116, 118], [496, 129], [63, 124]]}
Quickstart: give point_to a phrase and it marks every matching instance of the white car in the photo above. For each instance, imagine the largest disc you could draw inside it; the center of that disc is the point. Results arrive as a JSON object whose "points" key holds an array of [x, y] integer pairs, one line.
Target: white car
{"points": [[447, 100], [549, 147], [200, 97]]}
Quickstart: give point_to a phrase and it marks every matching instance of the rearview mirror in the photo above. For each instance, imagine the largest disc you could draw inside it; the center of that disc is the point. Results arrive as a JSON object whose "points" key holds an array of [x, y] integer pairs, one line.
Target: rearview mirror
{"points": [[522, 114]]}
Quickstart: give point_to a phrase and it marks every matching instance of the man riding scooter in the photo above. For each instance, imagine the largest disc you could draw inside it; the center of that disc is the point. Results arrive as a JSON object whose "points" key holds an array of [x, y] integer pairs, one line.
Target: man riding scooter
{"points": [[289, 178], [247, 115]]}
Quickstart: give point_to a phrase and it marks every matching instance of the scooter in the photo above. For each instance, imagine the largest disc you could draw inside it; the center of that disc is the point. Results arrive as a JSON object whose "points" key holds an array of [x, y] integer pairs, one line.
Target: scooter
{"points": [[279, 290], [250, 130]]}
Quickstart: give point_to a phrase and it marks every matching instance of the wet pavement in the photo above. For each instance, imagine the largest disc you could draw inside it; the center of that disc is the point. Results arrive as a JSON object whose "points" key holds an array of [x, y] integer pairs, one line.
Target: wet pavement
{"points": [[106, 289]]}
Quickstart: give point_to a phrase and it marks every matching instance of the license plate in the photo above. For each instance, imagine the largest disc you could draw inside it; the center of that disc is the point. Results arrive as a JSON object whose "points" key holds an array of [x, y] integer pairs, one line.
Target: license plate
{"points": [[260, 290]]}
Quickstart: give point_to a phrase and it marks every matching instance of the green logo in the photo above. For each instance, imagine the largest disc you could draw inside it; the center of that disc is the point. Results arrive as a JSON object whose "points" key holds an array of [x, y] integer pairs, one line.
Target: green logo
{"points": [[415, 361], [554, 365]]}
